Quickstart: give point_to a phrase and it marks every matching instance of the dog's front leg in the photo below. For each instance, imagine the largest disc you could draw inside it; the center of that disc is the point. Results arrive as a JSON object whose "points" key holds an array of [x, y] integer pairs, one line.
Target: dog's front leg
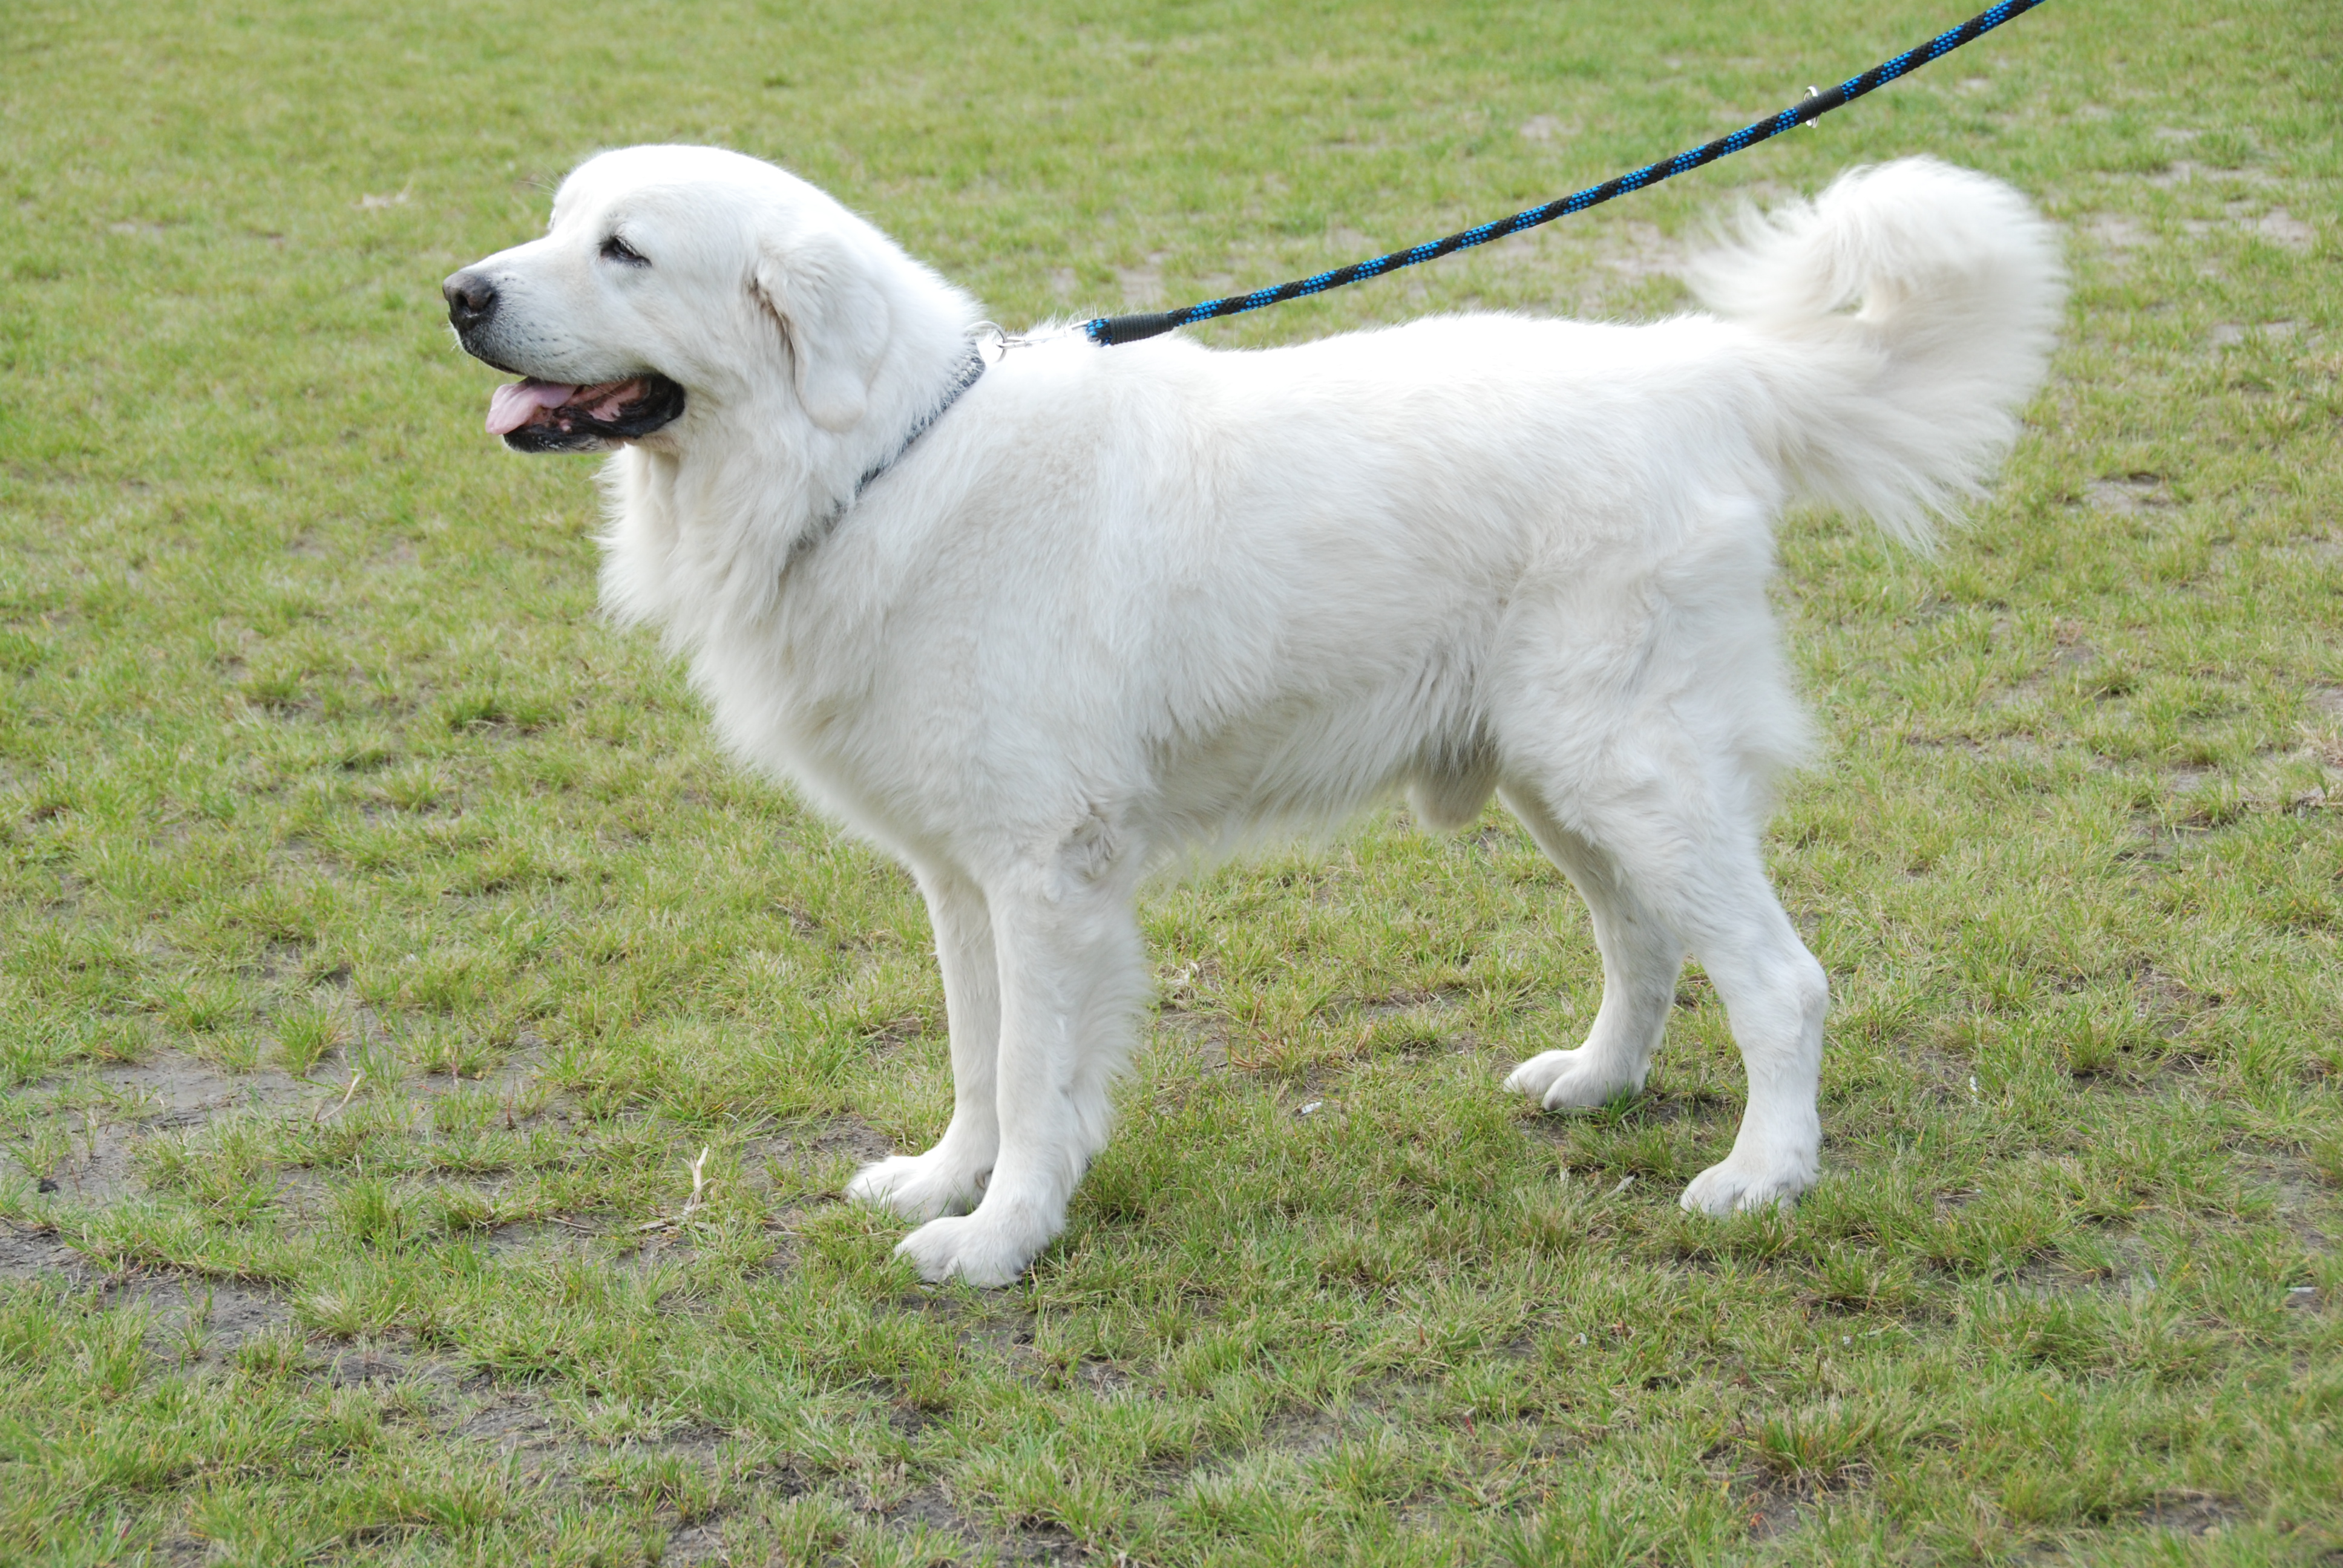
{"points": [[949, 1178], [1071, 978]]}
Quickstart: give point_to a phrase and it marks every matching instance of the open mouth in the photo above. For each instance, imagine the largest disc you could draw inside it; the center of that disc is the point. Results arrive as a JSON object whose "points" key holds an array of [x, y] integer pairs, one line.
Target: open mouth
{"points": [[535, 416]]}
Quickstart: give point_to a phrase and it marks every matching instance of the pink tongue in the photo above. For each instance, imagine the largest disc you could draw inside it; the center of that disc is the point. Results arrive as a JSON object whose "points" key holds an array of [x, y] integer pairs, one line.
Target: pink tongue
{"points": [[509, 407]]}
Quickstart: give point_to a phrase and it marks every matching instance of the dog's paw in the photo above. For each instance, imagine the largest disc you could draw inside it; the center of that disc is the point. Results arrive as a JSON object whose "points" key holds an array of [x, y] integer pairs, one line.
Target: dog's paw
{"points": [[970, 1248], [1741, 1183], [918, 1186], [1559, 1079]]}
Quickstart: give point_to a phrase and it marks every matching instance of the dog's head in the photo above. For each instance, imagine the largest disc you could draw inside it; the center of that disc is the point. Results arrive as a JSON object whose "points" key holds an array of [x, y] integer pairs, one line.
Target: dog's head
{"points": [[672, 278]]}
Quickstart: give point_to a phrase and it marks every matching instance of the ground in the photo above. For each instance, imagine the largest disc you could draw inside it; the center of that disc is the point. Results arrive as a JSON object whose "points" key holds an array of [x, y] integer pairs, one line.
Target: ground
{"points": [[426, 1064]]}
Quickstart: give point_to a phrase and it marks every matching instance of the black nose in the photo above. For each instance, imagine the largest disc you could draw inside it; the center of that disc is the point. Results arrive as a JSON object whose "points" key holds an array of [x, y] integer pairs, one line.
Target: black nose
{"points": [[471, 300]]}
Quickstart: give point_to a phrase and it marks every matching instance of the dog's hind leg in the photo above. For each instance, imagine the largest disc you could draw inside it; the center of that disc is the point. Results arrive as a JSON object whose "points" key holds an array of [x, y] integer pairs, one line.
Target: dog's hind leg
{"points": [[1072, 975], [1775, 995], [1641, 957], [1666, 870], [949, 1178]]}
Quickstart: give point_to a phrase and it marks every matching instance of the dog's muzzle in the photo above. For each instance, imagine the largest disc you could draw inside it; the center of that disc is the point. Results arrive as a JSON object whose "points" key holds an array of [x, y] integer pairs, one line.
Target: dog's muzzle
{"points": [[539, 416]]}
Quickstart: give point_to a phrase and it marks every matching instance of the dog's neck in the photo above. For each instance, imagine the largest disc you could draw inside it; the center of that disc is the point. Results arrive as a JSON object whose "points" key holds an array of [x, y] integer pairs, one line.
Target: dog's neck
{"points": [[711, 528], [966, 375]]}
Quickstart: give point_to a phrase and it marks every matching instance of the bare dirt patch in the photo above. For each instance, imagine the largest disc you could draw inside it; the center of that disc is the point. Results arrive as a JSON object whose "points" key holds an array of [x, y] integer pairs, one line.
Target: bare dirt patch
{"points": [[2232, 335], [224, 1312], [166, 1090], [2190, 1514], [2127, 494], [510, 1421], [2116, 234], [1769, 1508], [30, 1254]]}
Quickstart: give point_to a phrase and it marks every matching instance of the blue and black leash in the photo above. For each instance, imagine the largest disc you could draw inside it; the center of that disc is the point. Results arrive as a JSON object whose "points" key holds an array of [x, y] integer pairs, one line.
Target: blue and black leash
{"points": [[1113, 329]]}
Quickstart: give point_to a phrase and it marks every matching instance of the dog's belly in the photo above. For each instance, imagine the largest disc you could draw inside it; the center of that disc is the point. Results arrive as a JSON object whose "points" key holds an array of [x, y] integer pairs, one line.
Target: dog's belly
{"points": [[1300, 757]]}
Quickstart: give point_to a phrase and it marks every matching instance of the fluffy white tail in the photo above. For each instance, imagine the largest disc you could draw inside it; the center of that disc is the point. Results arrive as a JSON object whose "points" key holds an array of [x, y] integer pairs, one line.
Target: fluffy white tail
{"points": [[1903, 407]]}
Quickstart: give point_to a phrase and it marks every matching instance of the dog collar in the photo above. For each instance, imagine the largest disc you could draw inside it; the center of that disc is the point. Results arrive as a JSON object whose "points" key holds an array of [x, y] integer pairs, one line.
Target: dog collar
{"points": [[963, 378]]}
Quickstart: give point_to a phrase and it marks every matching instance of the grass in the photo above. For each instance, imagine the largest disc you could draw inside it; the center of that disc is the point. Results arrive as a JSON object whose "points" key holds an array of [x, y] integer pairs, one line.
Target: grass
{"points": [[381, 936]]}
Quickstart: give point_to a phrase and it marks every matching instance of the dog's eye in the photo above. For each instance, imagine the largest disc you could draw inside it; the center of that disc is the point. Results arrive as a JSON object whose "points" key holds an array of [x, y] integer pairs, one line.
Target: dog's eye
{"points": [[625, 255]]}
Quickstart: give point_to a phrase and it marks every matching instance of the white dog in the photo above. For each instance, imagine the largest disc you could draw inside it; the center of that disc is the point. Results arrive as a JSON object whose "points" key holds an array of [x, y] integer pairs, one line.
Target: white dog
{"points": [[1115, 602]]}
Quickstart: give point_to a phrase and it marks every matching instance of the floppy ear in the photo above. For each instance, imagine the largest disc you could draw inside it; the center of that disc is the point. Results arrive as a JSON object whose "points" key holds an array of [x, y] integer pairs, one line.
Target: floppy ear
{"points": [[834, 319]]}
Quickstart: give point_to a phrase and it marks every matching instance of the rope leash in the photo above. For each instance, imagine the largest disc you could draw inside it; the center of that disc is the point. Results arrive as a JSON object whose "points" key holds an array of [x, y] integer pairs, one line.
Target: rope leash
{"points": [[1109, 330]]}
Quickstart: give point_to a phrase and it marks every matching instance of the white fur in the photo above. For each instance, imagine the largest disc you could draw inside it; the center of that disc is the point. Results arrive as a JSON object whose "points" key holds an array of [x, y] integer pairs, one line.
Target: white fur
{"points": [[1120, 602]]}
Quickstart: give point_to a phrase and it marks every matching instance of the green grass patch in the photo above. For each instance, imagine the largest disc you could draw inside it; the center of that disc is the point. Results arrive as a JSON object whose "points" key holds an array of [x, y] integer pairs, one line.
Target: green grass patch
{"points": [[382, 937]]}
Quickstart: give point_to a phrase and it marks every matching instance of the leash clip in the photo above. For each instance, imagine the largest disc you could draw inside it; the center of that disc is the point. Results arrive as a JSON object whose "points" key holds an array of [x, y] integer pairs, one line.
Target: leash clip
{"points": [[992, 332]]}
